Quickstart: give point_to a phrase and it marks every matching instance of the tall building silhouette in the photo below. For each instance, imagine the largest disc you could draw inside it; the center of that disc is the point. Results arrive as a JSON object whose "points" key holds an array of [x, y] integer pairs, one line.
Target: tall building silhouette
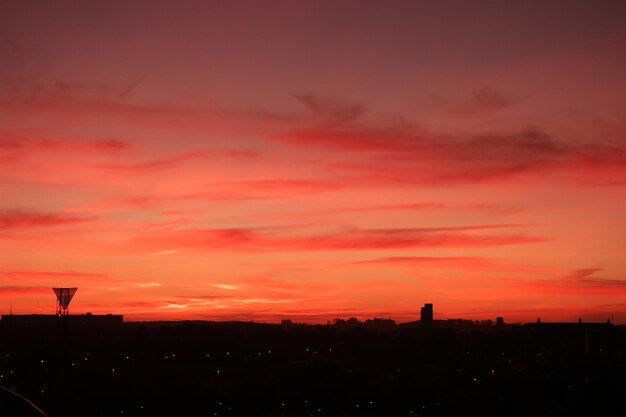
{"points": [[426, 315]]}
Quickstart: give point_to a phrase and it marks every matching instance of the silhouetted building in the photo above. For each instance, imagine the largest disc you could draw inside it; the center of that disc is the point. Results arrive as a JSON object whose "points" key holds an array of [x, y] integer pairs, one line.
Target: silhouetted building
{"points": [[426, 315], [499, 321]]}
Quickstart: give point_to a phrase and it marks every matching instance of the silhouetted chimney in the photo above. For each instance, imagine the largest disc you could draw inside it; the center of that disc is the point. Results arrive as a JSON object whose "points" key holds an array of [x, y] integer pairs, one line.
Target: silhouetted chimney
{"points": [[426, 315], [499, 321]]}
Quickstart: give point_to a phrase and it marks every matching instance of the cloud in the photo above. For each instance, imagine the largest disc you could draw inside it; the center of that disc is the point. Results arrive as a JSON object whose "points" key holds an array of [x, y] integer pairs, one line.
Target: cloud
{"points": [[406, 154], [408, 144], [16, 219], [240, 191], [489, 99], [466, 264], [148, 284], [354, 139], [393, 207], [23, 291], [587, 281], [463, 261], [580, 282], [89, 284], [36, 274], [133, 86], [176, 160], [47, 279], [402, 239], [265, 284], [226, 286], [64, 97], [165, 252], [479, 102], [198, 303], [346, 239], [29, 141], [73, 101], [330, 212], [111, 144], [414, 207], [331, 110]]}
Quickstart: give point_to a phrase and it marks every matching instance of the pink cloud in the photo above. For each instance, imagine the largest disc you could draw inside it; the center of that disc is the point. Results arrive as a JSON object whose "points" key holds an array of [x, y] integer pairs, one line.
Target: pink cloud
{"points": [[460, 263], [83, 102], [32, 141], [17, 219], [240, 191], [23, 291], [176, 160], [476, 103], [331, 110], [36, 274], [578, 282], [420, 158], [348, 239], [388, 207], [49, 279]]}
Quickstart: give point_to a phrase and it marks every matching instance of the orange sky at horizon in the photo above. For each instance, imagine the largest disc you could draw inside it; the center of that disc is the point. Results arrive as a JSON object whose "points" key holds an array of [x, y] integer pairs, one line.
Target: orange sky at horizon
{"points": [[313, 161]]}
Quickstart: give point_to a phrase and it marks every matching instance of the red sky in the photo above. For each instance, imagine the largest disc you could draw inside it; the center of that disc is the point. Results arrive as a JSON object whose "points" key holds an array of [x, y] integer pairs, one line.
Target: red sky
{"points": [[314, 160]]}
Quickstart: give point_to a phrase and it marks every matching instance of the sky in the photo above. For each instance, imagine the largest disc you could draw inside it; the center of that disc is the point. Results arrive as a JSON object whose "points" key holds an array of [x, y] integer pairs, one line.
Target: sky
{"points": [[314, 160]]}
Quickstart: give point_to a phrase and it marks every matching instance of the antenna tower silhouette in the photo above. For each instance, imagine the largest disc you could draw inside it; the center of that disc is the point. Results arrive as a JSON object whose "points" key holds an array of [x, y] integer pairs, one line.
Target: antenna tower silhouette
{"points": [[64, 296]]}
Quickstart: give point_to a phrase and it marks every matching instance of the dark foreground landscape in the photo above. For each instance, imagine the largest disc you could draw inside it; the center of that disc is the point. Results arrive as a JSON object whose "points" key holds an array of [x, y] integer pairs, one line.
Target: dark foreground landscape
{"points": [[347, 368]]}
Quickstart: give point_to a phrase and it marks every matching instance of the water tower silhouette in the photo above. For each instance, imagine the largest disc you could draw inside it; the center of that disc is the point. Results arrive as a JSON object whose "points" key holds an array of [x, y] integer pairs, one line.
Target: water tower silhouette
{"points": [[64, 296]]}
